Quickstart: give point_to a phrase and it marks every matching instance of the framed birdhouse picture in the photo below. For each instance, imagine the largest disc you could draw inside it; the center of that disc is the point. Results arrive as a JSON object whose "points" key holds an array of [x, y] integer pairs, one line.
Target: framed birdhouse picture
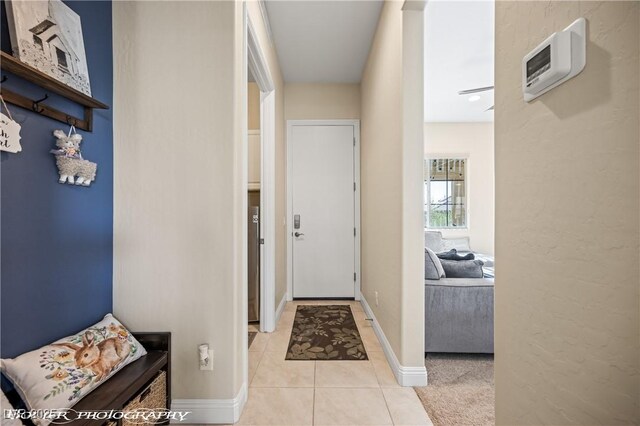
{"points": [[47, 35]]}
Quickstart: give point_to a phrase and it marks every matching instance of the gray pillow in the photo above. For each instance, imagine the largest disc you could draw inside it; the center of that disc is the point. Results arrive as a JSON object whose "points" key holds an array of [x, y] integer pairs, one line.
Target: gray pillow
{"points": [[462, 268], [432, 266]]}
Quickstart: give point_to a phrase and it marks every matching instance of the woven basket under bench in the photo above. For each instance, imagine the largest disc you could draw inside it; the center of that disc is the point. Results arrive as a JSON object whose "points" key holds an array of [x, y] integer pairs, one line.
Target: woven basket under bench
{"points": [[152, 398]]}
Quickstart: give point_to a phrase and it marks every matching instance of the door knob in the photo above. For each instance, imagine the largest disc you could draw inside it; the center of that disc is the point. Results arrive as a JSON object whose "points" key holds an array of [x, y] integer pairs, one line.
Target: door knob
{"points": [[298, 234]]}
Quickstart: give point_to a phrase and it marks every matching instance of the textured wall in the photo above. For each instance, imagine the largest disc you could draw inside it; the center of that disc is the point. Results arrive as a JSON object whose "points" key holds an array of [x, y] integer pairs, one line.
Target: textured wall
{"points": [[567, 194], [176, 212], [321, 101], [180, 201], [475, 142], [57, 239]]}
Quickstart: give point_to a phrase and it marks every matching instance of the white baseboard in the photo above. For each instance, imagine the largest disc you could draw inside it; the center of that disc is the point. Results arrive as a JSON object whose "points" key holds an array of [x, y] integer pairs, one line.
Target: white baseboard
{"points": [[281, 306], [202, 411], [406, 376]]}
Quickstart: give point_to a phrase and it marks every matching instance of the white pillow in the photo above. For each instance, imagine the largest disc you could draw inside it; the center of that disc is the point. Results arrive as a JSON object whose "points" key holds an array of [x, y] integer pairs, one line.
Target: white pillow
{"points": [[460, 244], [433, 240], [62, 373]]}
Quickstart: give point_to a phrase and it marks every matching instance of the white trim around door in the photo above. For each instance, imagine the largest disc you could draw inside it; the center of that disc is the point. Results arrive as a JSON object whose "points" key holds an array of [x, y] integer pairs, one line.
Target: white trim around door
{"points": [[356, 133], [257, 63]]}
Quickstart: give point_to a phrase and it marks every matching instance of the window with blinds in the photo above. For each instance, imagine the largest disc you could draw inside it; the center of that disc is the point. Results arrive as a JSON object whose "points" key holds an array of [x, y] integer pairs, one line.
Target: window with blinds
{"points": [[445, 193]]}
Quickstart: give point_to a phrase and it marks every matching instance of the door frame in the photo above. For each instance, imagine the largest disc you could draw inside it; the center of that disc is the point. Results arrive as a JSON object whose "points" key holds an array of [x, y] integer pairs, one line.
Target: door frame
{"points": [[258, 65], [289, 220]]}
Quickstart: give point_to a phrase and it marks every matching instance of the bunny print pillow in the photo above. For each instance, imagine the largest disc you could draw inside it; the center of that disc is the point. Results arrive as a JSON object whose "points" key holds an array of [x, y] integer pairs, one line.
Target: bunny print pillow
{"points": [[60, 374]]}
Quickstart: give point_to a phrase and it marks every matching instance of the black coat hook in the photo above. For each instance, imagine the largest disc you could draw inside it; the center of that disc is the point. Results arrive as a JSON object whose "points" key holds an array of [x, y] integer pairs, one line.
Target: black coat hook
{"points": [[71, 121], [36, 104]]}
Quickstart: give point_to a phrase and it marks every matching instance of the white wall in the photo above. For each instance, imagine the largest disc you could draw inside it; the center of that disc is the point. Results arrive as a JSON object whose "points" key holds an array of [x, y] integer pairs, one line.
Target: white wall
{"points": [[381, 168], [567, 233], [253, 107], [391, 178], [254, 159], [321, 101], [254, 143], [176, 192], [475, 142]]}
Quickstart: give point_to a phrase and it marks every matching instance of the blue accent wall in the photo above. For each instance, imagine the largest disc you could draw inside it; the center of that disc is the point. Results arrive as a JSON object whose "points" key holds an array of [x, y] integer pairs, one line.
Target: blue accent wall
{"points": [[57, 239]]}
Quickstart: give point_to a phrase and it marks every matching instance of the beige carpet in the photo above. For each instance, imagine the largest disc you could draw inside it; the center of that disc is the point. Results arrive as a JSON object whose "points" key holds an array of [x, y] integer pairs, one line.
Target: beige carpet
{"points": [[460, 391]]}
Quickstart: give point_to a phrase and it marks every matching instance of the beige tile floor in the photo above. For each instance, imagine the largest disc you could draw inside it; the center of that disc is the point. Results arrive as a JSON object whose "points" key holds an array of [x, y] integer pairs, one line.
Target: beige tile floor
{"points": [[325, 392]]}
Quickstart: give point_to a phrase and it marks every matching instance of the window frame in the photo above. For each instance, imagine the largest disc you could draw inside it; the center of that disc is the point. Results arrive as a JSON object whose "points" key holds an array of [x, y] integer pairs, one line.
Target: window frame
{"points": [[59, 55], [38, 42], [427, 181]]}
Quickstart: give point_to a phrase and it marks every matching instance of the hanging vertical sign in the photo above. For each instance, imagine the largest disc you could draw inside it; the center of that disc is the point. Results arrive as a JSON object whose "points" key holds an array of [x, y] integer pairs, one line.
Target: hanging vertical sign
{"points": [[9, 132]]}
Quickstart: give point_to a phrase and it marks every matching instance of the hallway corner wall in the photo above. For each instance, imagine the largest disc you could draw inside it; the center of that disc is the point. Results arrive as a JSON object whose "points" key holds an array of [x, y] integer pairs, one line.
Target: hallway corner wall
{"points": [[392, 123]]}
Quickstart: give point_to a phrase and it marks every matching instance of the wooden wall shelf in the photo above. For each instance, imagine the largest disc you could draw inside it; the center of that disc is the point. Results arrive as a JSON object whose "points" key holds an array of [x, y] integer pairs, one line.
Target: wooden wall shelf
{"points": [[10, 64]]}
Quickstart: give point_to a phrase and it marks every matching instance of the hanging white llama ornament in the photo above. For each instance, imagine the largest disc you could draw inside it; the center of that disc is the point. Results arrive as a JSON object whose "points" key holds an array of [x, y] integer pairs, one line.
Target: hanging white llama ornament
{"points": [[71, 166], [9, 132]]}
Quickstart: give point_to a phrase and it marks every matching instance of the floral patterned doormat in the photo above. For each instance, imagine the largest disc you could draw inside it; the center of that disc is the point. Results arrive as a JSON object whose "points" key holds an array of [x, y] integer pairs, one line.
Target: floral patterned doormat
{"points": [[325, 332]]}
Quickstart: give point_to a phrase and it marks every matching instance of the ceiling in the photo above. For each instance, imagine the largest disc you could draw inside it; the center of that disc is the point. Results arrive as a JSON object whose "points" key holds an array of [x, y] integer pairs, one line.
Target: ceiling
{"points": [[459, 53], [323, 41]]}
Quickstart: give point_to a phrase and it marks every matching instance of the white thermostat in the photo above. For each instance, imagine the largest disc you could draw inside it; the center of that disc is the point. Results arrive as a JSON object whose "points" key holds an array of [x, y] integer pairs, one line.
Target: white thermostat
{"points": [[557, 59]]}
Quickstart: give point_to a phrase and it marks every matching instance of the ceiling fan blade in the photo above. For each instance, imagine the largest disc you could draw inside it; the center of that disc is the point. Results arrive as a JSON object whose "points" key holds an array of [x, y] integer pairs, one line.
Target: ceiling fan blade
{"points": [[491, 108], [476, 90]]}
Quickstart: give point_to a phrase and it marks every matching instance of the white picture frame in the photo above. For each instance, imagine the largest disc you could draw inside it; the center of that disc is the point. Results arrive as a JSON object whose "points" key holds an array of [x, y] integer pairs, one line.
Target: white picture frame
{"points": [[47, 35]]}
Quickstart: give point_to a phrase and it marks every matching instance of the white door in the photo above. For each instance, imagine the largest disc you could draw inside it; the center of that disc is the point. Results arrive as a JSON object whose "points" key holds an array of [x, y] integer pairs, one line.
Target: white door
{"points": [[322, 210]]}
